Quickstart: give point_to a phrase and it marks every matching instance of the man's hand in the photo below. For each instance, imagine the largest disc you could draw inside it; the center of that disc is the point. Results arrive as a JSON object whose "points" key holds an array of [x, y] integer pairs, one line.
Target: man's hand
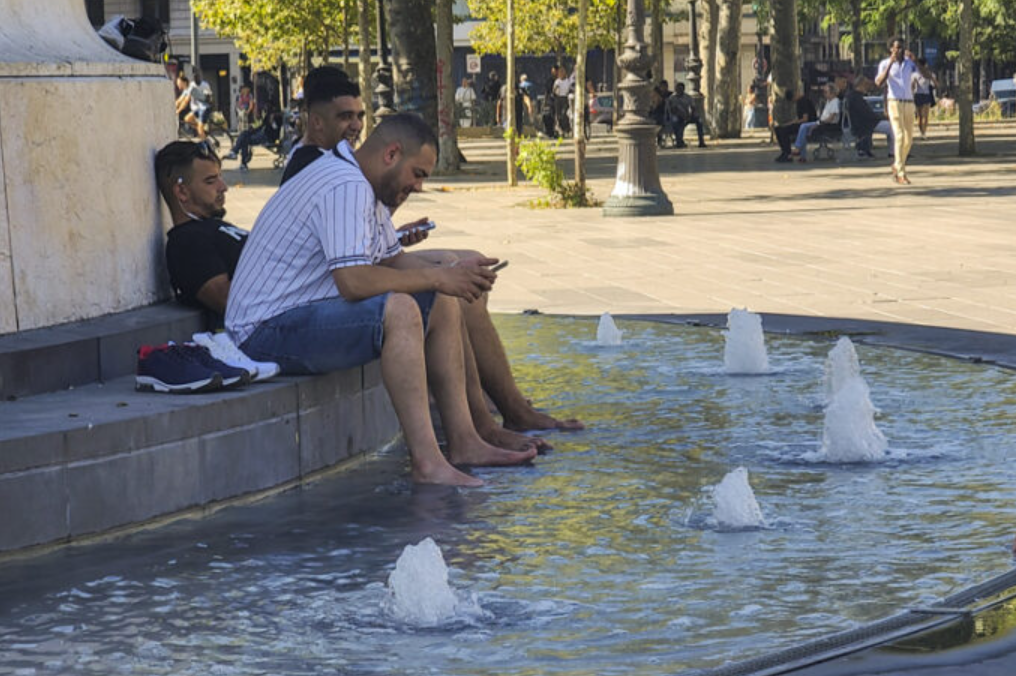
{"points": [[407, 238], [468, 279]]}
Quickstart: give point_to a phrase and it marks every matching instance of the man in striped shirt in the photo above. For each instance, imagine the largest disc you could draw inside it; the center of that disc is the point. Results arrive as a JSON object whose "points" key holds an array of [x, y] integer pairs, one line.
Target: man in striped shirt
{"points": [[316, 288], [335, 114]]}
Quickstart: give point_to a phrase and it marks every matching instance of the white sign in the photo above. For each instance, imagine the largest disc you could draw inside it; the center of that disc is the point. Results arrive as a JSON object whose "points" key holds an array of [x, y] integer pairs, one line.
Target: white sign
{"points": [[472, 63]]}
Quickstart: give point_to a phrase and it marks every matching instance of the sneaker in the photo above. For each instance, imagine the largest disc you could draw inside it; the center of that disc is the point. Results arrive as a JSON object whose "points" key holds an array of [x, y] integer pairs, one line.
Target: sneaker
{"points": [[265, 369], [229, 156], [231, 376], [244, 169], [223, 349], [165, 369]]}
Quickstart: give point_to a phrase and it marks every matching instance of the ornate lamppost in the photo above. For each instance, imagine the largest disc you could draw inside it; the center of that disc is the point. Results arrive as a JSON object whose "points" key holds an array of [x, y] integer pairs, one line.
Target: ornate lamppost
{"points": [[694, 63], [637, 190], [384, 90]]}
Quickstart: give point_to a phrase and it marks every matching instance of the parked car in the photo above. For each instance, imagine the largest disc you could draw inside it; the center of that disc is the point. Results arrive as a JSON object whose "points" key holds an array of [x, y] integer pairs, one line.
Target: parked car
{"points": [[1004, 91], [601, 109], [877, 104]]}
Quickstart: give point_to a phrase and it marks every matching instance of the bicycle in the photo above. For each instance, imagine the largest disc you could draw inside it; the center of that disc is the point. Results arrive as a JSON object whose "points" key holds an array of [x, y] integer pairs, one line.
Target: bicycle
{"points": [[217, 128]]}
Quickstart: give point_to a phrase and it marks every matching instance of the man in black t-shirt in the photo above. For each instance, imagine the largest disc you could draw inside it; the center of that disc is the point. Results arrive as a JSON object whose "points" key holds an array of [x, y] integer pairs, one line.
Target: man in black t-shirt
{"points": [[805, 112], [202, 250], [334, 113]]}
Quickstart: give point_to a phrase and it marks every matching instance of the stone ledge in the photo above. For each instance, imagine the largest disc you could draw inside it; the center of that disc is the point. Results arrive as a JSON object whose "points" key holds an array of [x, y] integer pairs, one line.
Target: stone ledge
{"points": [[76, 353], [102, 457]]}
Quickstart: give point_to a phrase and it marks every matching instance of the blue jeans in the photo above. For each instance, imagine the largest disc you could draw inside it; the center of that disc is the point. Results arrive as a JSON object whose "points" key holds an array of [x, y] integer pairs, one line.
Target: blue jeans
{"points": [[326, 335]]}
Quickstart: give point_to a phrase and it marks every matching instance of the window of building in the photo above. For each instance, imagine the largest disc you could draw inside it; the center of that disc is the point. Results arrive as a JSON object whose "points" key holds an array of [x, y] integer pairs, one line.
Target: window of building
{"points": [[158, 9], [96, 12]]}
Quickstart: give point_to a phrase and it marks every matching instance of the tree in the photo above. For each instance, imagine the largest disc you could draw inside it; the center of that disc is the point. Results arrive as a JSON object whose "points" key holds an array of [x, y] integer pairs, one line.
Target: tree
{"points": [[728, 47], [542, 26], [965, 75], [270, 32], [414, 56], [786, 70], [364, 24], [707, 42], [448, 156], [581, 106]]}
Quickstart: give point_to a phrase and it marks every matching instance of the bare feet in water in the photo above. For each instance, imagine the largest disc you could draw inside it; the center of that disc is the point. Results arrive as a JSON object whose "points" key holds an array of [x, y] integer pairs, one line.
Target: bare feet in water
{"points": [[516, 441], [482, 454], [444, 474], [535, 420]]}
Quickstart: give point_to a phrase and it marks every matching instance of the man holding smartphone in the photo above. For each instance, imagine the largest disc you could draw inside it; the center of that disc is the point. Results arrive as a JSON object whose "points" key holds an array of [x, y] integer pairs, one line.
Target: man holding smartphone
{"points": [[316, 287], [899, 72]]}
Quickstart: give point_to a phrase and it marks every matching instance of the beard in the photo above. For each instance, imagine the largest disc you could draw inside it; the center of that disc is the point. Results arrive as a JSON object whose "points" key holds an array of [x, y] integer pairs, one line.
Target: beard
{"points": [[391, 194]]}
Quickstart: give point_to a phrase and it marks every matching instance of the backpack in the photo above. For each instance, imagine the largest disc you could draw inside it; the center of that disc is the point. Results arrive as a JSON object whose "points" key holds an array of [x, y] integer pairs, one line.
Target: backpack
{"points": [[143, 38]]}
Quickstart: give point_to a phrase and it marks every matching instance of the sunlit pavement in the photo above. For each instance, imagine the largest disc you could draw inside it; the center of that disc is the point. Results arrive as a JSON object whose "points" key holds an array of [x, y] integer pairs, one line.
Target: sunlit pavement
{"points": [[823, 238]]}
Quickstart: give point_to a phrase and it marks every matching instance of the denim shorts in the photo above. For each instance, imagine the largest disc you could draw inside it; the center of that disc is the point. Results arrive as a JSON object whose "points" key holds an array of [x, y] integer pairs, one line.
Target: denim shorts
{"points": [[326, 335]]}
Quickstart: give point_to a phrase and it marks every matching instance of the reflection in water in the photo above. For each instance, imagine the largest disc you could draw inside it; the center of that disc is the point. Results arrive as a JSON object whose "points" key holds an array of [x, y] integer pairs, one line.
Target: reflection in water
{"points": [[581, 563]]}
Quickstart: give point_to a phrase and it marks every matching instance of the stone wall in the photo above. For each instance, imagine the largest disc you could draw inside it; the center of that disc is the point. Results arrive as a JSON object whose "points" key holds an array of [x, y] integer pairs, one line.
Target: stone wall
{"points": [[81, 230]]}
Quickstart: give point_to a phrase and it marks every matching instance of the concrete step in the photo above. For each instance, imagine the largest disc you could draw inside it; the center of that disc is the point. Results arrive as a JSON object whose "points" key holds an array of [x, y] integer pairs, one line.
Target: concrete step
{"points": [[96, 456]]}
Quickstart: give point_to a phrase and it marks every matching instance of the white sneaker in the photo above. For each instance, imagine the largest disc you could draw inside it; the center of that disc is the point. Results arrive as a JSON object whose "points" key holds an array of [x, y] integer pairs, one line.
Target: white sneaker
{"points": [[264, 369], [207, 341]]}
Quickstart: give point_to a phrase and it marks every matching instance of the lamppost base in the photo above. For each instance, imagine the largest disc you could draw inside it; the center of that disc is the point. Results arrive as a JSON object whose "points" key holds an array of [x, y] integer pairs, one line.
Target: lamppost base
{"points": [[652, 204]]}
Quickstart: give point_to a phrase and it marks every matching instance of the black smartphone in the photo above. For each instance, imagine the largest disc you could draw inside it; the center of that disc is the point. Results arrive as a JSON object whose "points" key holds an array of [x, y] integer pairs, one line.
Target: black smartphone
{"points": [[500, 266]]}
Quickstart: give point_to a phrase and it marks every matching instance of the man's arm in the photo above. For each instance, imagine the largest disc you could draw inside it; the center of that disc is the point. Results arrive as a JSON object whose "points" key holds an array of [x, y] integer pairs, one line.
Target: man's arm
{"points": [[214, 292], [468, 281], [882, 74]]}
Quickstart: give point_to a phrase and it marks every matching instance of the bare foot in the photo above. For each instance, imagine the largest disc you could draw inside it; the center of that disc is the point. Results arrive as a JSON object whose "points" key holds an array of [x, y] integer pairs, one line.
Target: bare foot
{"points": [[482, 454], [442, 473], [515, 441], [535, 420]]}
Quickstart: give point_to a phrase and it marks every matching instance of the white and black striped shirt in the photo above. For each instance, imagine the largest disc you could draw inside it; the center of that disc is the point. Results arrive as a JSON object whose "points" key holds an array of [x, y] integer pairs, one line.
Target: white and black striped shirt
{"points": [[324, 218]]}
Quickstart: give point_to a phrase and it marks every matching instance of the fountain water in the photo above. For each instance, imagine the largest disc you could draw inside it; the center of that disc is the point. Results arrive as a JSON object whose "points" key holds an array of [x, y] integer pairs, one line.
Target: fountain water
{"points": [[745, 348], [607, 332], [734, 503], [418, 589], [849, 433]]}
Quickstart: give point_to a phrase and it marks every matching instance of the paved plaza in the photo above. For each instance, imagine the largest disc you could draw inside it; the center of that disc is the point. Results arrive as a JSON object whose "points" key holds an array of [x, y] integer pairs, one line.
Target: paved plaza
{"points": [[824, 238]]}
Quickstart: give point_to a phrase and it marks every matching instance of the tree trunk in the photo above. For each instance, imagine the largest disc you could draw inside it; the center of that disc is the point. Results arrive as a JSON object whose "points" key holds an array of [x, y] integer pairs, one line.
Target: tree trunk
{"points": [[347, 10], [509, 98], [786, 60], [411, 31], [448, 155], [965, 75], [707, 41], [728, 33], [656, 34], [857, 48], [579, 120], [365, 66]]}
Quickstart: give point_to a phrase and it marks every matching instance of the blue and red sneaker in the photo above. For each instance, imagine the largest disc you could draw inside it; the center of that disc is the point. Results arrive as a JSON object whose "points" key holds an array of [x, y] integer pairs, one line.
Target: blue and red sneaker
{"points": [[164, 368]]}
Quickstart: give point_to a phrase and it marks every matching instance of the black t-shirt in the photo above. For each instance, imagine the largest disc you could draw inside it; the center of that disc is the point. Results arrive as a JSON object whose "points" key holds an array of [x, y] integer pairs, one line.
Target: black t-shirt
{"points": [[197, 251], [806, 107], [302, 156]]}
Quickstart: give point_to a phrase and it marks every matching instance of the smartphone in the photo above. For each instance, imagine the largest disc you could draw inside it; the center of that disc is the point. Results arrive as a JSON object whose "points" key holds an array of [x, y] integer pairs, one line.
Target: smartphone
{"points": [[429, 225], [500, 266]]}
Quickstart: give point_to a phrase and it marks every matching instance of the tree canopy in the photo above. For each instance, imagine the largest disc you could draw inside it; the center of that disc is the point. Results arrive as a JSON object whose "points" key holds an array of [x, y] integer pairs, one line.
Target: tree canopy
{"points": [[542, 26], [270, 31]]}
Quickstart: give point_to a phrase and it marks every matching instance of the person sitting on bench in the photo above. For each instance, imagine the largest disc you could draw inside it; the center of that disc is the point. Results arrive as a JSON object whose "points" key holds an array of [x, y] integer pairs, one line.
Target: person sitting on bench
{"points": [[828, 122]]}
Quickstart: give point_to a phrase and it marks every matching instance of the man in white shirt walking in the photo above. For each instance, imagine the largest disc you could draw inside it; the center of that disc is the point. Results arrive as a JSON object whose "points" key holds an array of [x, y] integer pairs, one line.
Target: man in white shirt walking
{"points": [[899, 72], [465, 97]]}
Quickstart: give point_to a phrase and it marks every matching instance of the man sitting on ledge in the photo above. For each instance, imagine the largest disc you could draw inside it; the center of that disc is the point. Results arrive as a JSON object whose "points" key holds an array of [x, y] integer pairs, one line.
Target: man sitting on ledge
{"points": [[315, 291]]}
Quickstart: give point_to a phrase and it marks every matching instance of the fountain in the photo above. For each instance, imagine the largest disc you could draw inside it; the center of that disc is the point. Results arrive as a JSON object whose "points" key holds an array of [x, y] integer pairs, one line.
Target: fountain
{"points": [[745, 348], [607, 332], [418, 589], [734, 503], [849, 433]]}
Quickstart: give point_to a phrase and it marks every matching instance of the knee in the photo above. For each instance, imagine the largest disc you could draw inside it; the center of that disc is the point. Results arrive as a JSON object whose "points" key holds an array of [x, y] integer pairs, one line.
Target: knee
{"points": [[402, 313]]}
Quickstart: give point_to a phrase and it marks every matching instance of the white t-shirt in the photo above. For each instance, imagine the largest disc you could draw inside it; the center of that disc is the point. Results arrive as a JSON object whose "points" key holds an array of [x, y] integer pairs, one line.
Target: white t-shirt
{"points": [[200, 95], [900, 80], [324, 218], [830, 112], [466, 96]]}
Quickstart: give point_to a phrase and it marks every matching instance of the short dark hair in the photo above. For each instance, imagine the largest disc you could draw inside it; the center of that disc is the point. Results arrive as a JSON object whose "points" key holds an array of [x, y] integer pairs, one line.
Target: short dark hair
{"points": [[893, 41], [408, 128], [174, 162], [326, 83]]}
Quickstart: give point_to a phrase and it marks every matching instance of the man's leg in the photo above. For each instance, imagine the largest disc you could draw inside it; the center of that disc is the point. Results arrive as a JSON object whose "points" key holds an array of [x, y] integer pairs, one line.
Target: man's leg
{"points": [[896, 122], [445, 368], [907, 124], [700, 128]]}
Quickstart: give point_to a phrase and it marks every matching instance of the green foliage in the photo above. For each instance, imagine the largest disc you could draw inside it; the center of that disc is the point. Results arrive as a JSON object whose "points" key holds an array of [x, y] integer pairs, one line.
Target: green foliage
{"points": [[270, 31], [537, 160], [542, 26]]}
